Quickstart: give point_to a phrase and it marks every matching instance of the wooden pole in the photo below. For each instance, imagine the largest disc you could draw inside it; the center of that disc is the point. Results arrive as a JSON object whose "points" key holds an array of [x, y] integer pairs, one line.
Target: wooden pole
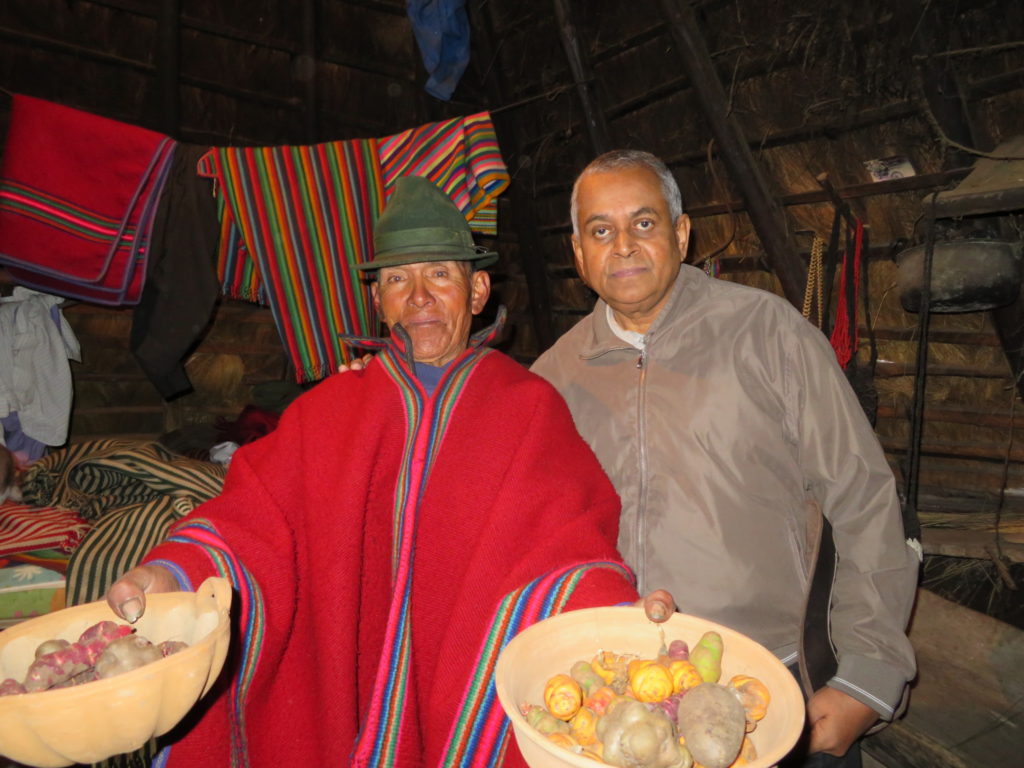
{"points": [[168, 65], [764, 210], [583, 76]]}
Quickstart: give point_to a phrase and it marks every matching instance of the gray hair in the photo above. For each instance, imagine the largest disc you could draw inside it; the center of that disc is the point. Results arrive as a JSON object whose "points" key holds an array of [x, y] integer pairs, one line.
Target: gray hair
{"points": [[619, 159]]}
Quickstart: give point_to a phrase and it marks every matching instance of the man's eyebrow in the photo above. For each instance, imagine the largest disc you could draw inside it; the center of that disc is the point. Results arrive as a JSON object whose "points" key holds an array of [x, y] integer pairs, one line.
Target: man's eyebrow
{"points": [[648, 210], [642, 211]]}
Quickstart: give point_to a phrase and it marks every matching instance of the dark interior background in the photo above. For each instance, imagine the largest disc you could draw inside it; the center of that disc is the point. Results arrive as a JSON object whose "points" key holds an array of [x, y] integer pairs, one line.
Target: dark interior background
{"points": [[811, 92]]}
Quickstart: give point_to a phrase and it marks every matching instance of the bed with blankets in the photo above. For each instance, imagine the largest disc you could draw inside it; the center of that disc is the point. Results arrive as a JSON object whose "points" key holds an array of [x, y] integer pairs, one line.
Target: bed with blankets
{"points": [[89, 513]]}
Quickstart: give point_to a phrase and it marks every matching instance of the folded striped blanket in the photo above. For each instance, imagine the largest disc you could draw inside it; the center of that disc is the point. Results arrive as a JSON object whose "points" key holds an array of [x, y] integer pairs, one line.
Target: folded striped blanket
{"points": [[27, 528], [78, 193]]}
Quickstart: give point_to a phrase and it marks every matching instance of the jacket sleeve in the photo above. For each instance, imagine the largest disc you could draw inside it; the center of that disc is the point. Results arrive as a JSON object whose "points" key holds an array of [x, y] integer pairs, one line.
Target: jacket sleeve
{"points": [[845, 470]]}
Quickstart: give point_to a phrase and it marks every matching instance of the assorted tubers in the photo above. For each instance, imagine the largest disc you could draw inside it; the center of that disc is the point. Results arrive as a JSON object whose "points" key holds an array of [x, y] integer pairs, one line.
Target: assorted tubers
{"points": [[667, 712], [104, 650]]}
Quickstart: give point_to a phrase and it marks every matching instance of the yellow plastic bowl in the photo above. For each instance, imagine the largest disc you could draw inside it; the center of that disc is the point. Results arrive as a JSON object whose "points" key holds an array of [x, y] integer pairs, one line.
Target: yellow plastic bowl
{"points": [[555, 644], [93, 721]]}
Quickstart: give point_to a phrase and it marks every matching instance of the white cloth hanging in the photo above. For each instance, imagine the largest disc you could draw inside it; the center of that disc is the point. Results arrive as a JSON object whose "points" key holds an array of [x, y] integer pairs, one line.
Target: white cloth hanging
{"points": [[36, 343]]}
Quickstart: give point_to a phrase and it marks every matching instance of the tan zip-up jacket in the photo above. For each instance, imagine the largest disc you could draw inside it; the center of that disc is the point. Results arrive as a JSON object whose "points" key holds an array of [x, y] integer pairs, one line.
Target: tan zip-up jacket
{"points": [[716, 436]]}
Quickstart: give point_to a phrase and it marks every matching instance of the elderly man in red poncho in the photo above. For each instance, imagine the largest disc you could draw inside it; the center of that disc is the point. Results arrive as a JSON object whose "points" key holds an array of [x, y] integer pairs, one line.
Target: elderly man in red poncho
{"points": [[399, 526]]}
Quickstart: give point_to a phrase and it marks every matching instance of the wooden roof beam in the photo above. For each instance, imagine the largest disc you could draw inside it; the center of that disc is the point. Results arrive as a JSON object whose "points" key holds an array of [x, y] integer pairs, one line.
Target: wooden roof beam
{"points": [[583, 76], [766, 214]]}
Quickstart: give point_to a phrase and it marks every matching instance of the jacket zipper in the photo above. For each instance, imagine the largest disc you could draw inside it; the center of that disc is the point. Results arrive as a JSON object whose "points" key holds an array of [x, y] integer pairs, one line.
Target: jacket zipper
{"points": [[641, 507]]}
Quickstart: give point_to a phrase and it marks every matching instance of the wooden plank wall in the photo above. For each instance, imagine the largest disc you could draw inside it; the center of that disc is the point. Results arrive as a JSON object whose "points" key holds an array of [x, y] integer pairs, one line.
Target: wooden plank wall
{"points": [[818, 89]]}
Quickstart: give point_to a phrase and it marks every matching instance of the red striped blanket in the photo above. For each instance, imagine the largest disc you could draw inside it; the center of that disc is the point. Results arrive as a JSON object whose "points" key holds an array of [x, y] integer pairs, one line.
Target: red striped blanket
{"points": [[305, 215], [460, 155], [24, 528], [77, 197]]}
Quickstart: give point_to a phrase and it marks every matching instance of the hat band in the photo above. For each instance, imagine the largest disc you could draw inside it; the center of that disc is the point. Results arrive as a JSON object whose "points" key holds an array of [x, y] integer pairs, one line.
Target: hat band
{"points": [[432, 238]]}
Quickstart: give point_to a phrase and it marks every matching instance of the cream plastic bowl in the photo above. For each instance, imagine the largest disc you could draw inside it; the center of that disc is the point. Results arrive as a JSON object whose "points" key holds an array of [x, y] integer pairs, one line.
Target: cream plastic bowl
{"points": [[93, 721], [555, 644]]}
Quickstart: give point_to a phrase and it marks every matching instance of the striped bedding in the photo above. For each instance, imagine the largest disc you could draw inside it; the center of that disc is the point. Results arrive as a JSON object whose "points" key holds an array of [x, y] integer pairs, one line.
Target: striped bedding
{"points": [[26, 528], [129, 491]]}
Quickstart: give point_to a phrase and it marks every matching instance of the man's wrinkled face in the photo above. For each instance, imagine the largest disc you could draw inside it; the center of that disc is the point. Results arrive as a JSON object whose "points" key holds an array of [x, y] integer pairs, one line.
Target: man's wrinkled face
{"points": [[435, 302], [628, 248]]}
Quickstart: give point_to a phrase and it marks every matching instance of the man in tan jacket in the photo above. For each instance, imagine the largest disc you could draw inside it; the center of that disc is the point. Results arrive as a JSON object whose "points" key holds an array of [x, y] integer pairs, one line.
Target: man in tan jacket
{"points": [[722, 417]]}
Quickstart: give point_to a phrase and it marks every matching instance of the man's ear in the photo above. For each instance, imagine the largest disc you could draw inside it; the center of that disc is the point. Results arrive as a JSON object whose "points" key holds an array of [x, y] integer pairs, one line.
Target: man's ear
{"points": [[683, 234], [481, 290], [577, 253], [375, 295]]}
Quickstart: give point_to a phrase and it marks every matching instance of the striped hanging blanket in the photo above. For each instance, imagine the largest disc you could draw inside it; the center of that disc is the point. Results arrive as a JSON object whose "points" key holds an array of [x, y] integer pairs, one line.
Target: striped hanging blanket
{"points": [[286, 211], [129, 491], [461, 156], [304, 216], [78, 194]]}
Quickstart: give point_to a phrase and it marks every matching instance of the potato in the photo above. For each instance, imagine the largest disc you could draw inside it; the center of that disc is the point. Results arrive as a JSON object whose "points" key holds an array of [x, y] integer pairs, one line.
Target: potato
{"points": [[10, 687], [125, 654], [170, 647], [49, 646], [707, 656], [635, 737], [713, 722]]}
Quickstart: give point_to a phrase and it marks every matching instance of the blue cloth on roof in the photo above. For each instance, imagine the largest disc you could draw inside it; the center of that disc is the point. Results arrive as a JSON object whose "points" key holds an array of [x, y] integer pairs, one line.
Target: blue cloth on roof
{"points": [[442, 33]]}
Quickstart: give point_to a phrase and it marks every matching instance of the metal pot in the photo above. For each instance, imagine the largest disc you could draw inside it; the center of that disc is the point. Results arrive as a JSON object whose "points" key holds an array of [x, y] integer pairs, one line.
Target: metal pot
{"points": [[967, 275]]}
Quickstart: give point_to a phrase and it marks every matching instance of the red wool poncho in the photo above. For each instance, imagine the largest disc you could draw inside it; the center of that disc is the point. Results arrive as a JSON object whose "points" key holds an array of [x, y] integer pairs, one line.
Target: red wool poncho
{"points": [[385, 545]]}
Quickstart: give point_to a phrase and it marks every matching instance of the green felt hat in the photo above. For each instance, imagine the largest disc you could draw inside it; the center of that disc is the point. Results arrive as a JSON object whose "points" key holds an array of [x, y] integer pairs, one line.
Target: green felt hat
{"points": [[421, 223]]}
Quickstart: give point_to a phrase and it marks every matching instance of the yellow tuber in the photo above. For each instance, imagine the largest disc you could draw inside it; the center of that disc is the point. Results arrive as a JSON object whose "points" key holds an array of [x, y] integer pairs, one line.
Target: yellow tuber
{"points": [[684, 676], [582, 726], [563, 740], [753, 695], [563, 696], [651, 682], [612, 669]]}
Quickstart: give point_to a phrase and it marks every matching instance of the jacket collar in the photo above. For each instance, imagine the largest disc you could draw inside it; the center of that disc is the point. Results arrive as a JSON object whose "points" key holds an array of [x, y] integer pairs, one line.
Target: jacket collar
{"points": [[602, 338], [401, 345]]}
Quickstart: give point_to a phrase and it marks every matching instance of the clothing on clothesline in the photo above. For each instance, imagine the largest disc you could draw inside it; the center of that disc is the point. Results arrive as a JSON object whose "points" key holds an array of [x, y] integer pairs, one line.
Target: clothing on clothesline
{"points": [[36, 343], [295, 219], [305, 216], [441, 28], [78, 193], [181, 287], [461, 156]]}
